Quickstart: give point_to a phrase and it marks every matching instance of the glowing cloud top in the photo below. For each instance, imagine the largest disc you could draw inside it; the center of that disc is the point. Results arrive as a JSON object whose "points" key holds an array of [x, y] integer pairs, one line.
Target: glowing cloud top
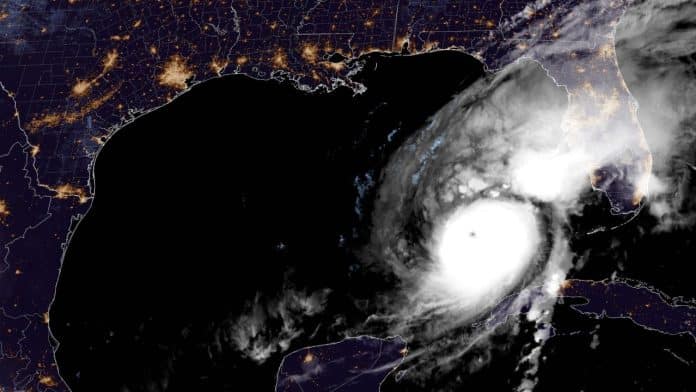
{"points": [[484, 248]]}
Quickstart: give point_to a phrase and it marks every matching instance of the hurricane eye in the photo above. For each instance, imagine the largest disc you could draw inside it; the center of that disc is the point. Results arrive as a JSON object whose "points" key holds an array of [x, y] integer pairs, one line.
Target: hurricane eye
{"points": [[484, 248]]}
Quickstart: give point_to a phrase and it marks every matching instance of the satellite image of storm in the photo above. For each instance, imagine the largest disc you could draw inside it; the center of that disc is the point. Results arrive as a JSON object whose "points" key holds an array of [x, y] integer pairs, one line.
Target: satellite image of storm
{"points": [[347, 195]]}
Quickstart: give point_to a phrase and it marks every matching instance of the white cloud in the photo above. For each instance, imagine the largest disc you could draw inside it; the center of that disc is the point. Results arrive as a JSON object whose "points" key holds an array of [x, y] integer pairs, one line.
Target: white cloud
{"points": [[270, 325]]}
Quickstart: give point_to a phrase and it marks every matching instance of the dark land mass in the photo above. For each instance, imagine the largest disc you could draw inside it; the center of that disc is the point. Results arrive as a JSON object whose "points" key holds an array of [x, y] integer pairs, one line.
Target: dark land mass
{"points": [[357, 364]]}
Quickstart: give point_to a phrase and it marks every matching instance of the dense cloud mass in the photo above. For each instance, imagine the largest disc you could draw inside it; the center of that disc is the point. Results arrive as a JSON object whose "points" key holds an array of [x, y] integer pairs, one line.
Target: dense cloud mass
{"points": [[471, 151], [656, 44], [503, 140]]}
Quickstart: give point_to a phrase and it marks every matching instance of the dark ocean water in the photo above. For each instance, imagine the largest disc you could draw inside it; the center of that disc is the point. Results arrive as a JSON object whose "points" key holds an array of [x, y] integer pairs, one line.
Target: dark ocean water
{"points": [[243, 191], [222, 195]]}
